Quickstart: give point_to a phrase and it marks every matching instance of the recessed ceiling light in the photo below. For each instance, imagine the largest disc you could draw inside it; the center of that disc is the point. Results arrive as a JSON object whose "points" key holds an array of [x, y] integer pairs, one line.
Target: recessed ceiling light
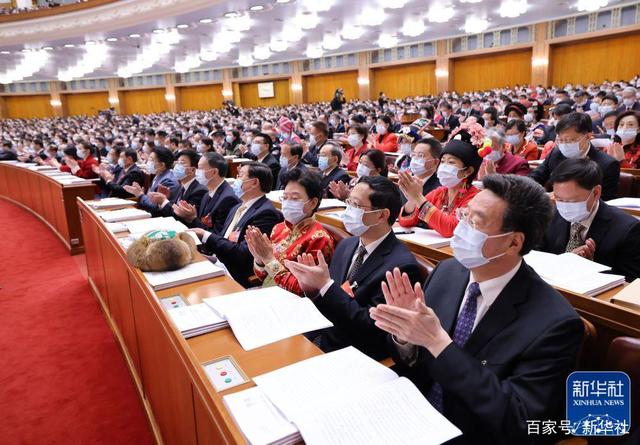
{"points": [[69, 45], [134, 35], [48, 48], [231, 14], [5, 52], [90, 42], [26, 50], [112, 39], [205, 21], [282, 1], [182, 26], [256, 8], [158, 31]]}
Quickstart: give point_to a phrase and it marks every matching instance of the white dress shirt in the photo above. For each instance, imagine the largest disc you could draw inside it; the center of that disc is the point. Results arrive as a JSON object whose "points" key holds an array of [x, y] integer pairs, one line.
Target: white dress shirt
{"points": [[247, 205], [213, 192], [587, 222], [185, 187]]}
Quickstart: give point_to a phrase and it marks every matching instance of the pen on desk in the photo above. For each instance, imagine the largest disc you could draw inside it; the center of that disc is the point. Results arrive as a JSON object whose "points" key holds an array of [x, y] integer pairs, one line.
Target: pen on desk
{"points": [[404, 232]]}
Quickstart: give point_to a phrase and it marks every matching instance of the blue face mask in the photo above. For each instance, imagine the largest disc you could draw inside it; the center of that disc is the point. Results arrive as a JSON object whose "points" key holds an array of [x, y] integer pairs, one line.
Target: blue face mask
{"points": [[151, 167], [323, 163], [179, 172], [284, 162], [237, 188]]}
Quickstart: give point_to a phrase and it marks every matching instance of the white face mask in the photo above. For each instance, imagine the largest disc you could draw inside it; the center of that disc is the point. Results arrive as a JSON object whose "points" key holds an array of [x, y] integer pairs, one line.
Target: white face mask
{"points": [[352, 220], [627, 135], [467, 244], [293, 211], [363, 170], [354, 140], [570, 150], [448, 175], [574, 211], [256, 149], [151, 167], [604, 109], [381, 129], [513, 139]]}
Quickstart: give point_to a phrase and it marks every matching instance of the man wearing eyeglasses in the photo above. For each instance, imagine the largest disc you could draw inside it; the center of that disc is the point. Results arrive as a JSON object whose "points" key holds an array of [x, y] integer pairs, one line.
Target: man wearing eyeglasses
{"points": [[573, 141], [488, 342], [346, 290]]}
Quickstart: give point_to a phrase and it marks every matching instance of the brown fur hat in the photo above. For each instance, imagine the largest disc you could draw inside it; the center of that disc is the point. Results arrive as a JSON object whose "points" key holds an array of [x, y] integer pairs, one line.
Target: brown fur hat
{"points": [[161, 250]]}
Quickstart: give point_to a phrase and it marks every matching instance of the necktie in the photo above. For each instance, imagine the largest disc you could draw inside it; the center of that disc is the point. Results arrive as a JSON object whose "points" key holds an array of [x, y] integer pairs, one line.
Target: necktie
{"points": [[357, 263], [575, 240], [180, 194], [234, 221], [462, 332]]}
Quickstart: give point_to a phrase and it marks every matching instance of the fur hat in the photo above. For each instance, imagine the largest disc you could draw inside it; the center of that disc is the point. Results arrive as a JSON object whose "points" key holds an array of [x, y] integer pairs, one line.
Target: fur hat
{"points": [[162, 250]]}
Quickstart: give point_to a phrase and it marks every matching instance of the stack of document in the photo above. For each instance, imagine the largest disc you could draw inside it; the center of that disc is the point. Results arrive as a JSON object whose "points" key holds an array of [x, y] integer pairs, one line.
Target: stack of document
{"points": [[196, 319], [275, 195], [124, 215], [573, 273], [139, 227], [627, 203], [424, 237], [629, 297], [42, 168], [202, 270], [108, 203], [262, 316], [337, 398], [71, 180]]}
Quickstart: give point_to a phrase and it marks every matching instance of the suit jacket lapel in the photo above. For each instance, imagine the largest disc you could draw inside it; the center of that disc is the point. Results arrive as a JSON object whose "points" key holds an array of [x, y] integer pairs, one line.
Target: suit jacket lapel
{"points": [[375, 260], [600, 224], [248, 214], [343, 262], [446, 306]]}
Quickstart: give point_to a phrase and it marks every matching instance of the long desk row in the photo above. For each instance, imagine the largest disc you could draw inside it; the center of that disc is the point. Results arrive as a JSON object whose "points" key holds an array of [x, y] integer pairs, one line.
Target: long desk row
{"points": [[53, 203], [181, 403]]}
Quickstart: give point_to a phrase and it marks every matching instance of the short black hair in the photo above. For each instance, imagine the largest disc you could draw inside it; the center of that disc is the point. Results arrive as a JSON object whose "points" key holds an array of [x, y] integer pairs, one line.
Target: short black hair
{"points": [[216, 160], [562, 109], [435, 147], [192, 155], [311, 181], [611, 97], [528, 209], [208, 142], [378, 159], [267, 139], [131, 153], [262, 173], [581, 122], [518, 124], [493, 112], [361, 130], [164, 155], [384, 195], [296, 150], [586, 173], [71, 151]]}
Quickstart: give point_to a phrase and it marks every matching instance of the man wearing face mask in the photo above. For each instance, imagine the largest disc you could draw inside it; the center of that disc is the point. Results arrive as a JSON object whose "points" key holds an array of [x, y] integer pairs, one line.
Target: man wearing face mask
{"points": [[488, 342], [329, 165], [583, 223], [499, 160], [215, 205], [425, 159], [629, 100], [345, 290], [290, 156], [260, 151], [230, 245], [159, 164], [318, 135], [573, 141], [130, 173], [6, 152], [190, 191]]}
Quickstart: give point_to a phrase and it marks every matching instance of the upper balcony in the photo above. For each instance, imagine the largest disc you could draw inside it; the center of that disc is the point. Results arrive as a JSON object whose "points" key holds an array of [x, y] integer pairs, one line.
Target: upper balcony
{"points": [[53, 11]]}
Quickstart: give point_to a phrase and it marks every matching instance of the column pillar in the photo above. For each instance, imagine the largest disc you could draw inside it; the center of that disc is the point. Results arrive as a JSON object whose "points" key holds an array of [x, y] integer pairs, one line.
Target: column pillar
{"points": [[296, 83], [230, 91], [115, 97], [444, 68], [4, 114], [170, 92], [364, 76], [540, 56], [59, 108]]}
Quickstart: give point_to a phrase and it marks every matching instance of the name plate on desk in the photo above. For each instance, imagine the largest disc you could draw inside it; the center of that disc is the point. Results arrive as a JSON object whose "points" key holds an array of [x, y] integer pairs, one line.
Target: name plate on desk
{"points": [[224, 373]]}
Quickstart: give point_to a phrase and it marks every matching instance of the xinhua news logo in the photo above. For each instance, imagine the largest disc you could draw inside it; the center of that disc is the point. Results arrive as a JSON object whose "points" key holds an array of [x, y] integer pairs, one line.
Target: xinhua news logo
{"points": [[598, 403]]}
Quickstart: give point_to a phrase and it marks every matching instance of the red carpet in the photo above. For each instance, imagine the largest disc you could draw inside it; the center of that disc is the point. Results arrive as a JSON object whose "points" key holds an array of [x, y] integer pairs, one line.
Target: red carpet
{"points": [[63, 379]]}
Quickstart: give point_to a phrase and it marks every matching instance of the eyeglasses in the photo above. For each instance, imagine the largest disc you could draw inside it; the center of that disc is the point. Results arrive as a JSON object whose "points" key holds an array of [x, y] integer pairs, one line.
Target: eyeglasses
{"points": [[284, 198], [562, 141], [464, 214], [352, 203]]}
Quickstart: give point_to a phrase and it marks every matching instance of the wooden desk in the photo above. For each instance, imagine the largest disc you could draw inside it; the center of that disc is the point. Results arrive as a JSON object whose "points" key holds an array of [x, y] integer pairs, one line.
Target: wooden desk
{"points": [[53, 203], [633, 171], [181, 404]]}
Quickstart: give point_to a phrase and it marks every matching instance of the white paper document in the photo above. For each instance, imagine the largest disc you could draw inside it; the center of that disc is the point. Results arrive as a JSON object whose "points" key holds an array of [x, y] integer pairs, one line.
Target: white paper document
{"points": [[107, 203], [195, 319], [329, 203], [629, 203], [124, 215], [190, 273], [273, 314], [424, 237]]}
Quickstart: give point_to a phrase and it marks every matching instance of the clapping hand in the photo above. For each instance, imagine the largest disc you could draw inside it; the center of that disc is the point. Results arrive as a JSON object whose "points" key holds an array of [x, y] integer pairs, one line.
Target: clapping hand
{"points": [[259, 245], [135, 189], [615, 150], [411, 188], [311, 277], [339, 189], [185, 211], [156, 198], [587, 250]]}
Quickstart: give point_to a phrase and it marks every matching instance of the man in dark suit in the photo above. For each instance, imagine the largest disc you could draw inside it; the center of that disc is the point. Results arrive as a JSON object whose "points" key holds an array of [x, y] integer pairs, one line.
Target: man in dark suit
{"points": [[329, 159], [191, 191], [589, 227], [448, 120], [629, 100], [261, 147], [488, 342], [253, 182], [6, 152], [129, 174], [346, 290], [425, 158], [574, 132], [582, 102], [215, 205], [289, 159], [318, 136]]}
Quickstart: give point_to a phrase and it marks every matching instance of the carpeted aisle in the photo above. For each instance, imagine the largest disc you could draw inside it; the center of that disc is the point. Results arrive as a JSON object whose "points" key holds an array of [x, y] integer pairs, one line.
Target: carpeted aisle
{"points": [[63, 379]]}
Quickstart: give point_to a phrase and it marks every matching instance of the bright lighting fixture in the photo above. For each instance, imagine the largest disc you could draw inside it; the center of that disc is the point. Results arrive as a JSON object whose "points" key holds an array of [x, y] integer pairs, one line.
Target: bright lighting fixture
{"points": [[48, 48], [93, 58], [134, 35], [475, 25], [296, 87], [5, 52], [190, 62], [317, 6], [90, 43], [256, 8], [513, 8], [158, 31], [55, 103], [394, 4], [245, 59], [231, 14], [438, 14], [227, 93], [239, 23], [470, 1], [114, 100], [413, 27], [308, 20], [371, 17], [261, 52], [69, 45], [363, 81], [31, 63], [208, 54], [539, 61], [387, 40], [331, 41], [112, 39], [182, 26], [314, 51], [292, 34], [26, 50], [282, 1], [591, 5], [352, 32], [170, 97], [441, 72], [160, 46], [278, 45], [205, 21]]}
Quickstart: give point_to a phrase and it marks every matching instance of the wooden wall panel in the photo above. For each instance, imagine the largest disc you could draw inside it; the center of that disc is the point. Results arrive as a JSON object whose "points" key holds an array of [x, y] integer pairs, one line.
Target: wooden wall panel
{"points": [[612, 58], [401, 81], [29, 106], [492, 70], [199, 97], [321, 87], [144, 101], [249, 94], [86, 103]]}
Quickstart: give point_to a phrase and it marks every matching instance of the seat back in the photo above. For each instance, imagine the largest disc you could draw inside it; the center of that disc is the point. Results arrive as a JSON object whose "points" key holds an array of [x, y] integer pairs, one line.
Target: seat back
{"points": [[624, 355], [626, 185], [425, 266], [586, 360], [337, 234]]}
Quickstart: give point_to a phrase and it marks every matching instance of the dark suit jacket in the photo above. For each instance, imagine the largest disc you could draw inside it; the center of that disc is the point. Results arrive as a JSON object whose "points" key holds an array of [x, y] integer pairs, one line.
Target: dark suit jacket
{"points": [[337, 174], [514, 365], [193, 195], [311, 156], [617, 238], [116, 187], [166, 179], [235, 255], [350, 316], [635, 107], [283, 172], [217, 208], [610, 170], [270, 161], [8, 155]]}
